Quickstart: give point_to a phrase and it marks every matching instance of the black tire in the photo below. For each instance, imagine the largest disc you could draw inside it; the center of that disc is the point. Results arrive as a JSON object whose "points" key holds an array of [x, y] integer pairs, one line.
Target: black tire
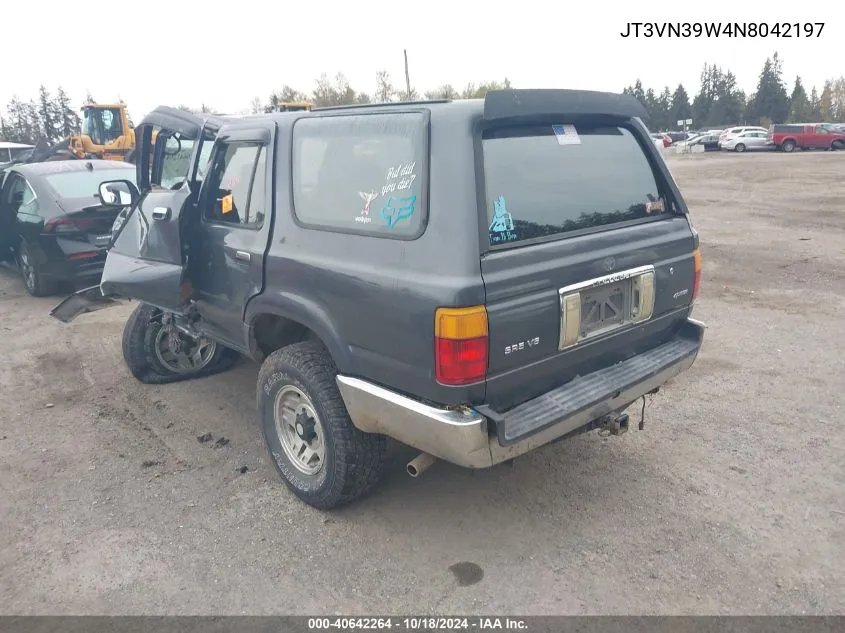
{"points": [[139, 336], [837, 145], [33, 278], [788, 146], [739, 147], [353, 460]]}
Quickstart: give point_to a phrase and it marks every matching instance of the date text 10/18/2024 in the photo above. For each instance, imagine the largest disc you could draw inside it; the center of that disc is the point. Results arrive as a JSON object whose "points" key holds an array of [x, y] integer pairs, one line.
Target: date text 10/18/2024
{"points": [[420, 623], [719, 29]]}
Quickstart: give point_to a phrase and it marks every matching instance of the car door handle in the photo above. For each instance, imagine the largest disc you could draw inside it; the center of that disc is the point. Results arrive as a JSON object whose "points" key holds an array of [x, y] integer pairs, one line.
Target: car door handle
{"points": [[161, 213], [243, 256]]}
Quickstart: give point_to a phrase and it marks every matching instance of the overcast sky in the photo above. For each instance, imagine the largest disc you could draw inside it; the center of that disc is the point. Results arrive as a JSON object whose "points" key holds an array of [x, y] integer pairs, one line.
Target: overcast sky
{"points": [[225, 54]]}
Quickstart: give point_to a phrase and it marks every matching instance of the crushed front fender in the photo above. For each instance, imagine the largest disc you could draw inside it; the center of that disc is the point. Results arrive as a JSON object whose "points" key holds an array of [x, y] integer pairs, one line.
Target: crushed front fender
{"points": [[81, 302]]}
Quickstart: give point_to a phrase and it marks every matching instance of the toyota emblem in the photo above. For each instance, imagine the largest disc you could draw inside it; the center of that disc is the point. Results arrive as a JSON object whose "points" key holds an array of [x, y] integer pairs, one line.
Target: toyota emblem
{"points": [[609, 263]]}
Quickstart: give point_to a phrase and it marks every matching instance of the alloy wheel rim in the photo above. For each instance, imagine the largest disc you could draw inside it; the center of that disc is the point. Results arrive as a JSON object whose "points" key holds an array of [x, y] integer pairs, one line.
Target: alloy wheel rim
{"points": [[27, 271], [182, 354], [299, 430]]}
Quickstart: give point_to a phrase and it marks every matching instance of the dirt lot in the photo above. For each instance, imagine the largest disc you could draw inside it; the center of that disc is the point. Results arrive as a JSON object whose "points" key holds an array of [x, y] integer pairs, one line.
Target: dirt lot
{"points": [[731, 501]]}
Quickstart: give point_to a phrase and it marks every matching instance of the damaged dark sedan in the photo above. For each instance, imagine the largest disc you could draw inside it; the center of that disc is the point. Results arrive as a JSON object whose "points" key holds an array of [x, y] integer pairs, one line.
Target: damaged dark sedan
{"points": [[55, 226]]}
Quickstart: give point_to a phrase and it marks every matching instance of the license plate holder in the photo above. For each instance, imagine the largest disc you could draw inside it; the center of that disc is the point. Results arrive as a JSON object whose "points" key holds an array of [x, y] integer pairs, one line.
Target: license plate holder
{"points": [[605, 304], [605, 308]]}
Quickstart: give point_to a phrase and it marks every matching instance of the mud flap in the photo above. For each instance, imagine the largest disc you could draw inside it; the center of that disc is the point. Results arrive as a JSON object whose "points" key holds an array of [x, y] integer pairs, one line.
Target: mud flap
{"points": [[81, 302]]}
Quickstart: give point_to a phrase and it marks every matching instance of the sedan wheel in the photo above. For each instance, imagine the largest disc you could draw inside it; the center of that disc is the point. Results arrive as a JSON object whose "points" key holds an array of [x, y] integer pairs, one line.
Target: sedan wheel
{"points": [[33, 280], [27, 270]]}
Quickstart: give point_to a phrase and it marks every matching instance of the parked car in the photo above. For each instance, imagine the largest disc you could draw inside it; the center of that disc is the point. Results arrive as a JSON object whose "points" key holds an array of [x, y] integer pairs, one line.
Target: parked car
{"points": [[746, 141], [663, 138], [676, 137], [343, 249], [53, 224], [709, 141], [787, 137], [735, 131]]}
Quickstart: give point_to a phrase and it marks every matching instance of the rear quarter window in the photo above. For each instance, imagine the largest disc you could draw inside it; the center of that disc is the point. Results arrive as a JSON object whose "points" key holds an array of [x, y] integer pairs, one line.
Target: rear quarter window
{"points": [[542, 184], [86, 184], [361, 173]]}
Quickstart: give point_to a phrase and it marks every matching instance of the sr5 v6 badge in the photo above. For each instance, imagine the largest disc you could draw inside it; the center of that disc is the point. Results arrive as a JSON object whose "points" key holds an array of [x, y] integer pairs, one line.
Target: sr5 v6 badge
{"points": [[518, 347]]}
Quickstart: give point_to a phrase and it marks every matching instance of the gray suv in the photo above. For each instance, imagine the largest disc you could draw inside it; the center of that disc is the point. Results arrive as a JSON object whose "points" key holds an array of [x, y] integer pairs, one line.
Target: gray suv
{"points": [[474, 279]]}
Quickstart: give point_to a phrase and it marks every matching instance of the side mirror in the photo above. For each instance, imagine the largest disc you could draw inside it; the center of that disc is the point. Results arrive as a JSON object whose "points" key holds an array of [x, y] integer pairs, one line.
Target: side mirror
{"points": [[120, 193]]}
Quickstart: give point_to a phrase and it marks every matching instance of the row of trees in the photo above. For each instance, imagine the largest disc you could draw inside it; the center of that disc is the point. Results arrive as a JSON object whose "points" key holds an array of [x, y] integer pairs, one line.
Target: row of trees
{"points": [[337, 91], [50, 117], [720, 102]]}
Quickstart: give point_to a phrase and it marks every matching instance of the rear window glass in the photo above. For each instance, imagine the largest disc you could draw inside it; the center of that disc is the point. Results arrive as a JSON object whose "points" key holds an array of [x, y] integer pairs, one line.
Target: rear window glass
{"points": [[544, 180], [360, 173], [790, 129], [86, 184]]}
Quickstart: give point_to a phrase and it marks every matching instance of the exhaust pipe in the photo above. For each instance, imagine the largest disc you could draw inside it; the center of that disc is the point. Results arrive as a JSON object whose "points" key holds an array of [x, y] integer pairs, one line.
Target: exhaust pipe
{"points": [[420, 464]]}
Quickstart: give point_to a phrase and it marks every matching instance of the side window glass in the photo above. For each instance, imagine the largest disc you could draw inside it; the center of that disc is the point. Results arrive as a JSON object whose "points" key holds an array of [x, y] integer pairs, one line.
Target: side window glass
{"points": [[230, 183], [257, 199], [173, 155], [360, 173], [30, 202], [204, 159], [21, 197], [14, 196]]}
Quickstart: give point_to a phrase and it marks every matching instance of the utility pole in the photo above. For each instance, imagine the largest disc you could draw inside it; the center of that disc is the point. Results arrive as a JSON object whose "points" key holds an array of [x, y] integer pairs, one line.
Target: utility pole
{"points": [[407, 76]]}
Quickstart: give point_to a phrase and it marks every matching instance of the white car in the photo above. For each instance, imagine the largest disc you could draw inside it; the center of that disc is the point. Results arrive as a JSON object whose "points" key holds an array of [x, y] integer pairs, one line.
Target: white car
{"points": [[746, 141], [736, 131]]}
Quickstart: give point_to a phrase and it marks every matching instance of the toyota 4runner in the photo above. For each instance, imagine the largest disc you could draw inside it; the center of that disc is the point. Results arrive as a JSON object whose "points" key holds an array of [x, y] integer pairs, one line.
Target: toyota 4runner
{"points": [[473, 278]]}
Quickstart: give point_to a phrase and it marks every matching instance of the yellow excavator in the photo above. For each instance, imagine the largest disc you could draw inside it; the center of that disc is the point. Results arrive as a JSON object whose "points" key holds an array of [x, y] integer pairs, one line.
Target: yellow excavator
{"points": [[106, 134], [293, 106]]}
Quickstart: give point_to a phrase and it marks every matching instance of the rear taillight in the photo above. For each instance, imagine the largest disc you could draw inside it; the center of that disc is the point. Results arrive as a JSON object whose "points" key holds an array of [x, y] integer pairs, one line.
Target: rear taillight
{"points": [[696, 284], [60, 225], [66, 225], [460, 345], [83, 255]]}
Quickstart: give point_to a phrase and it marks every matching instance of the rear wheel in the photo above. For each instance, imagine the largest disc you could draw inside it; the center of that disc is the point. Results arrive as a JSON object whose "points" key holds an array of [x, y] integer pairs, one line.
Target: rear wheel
{"points": [[740, 147], [837, 145], [157, 352], [788, 146], [34, 280], [320, 455]]}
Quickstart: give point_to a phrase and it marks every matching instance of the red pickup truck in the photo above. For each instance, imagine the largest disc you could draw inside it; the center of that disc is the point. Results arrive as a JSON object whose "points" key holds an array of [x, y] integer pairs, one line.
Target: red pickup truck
{"points": [[806, 136]]}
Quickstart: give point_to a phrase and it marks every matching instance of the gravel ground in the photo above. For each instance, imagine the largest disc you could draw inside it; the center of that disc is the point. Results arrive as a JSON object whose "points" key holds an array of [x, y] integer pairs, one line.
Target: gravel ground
{"points": [[731, 501]]}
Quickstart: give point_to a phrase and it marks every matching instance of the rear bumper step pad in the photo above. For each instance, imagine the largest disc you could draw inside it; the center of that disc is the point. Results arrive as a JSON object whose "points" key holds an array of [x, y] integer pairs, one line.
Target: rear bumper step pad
{"points": [[588, 391]]}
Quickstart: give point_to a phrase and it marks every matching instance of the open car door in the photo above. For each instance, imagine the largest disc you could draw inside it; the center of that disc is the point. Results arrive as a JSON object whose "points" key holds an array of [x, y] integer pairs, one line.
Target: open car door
{"points": [[149, 251]]}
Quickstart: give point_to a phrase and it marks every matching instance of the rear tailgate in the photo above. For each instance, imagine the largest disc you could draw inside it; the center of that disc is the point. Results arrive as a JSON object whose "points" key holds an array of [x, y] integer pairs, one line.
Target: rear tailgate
{"points": [[585, 228]]}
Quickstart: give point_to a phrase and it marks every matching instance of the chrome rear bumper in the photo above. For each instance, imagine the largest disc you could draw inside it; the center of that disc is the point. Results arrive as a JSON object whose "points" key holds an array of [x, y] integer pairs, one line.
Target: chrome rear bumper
{"points": [[462, 435]]}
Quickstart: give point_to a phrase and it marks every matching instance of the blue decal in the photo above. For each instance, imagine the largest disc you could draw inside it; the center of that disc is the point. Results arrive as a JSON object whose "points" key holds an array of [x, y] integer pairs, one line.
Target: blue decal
{"points": [[501, 228], [396, 209], [502, 220]]}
